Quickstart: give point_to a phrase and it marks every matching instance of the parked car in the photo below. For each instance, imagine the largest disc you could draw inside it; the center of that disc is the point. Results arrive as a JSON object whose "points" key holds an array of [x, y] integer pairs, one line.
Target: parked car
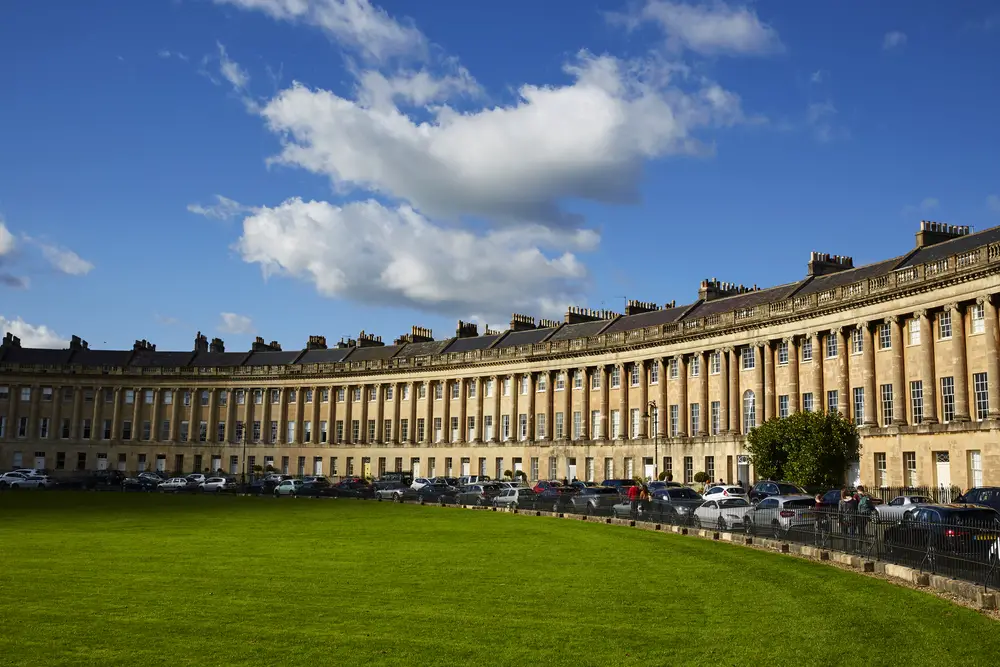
{"points": [[141, 483], [20, 480], [722, 513], [620, 485], [724, 491], [594, 500], [580, 484], [673, 504], [397, 492], [900, 505], [177, 485], [287, 487], [316, 489], [478, 494], [514, 497], [473, 479], [555, 499], [987, 496], [447, 481], [353, 488], [421, 481], [768, 488], [262, 487], [196, 477], [218, 484], [780, 514], [437, 493], [544, 485], [942, 531]]}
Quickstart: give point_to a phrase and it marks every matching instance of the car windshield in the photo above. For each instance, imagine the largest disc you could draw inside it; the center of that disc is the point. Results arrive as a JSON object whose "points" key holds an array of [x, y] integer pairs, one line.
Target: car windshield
{"points": [[788, 489], [683, 494], [920, 499], [800, 503], [735, 491], [734, 502], [967, 517], [601, 491]]}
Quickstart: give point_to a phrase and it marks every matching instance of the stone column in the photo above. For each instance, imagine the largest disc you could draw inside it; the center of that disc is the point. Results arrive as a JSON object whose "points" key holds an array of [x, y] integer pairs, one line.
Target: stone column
{"points": [[331, 416], [497, 394], [705, 411], [429, 418], [625, 423], [818, 378], [735, 426], [97, 417], [898, 371], [723, 390], [463, 401], [758, 380], [175, 413], [567, 407], [193, 418], [682, 400], [348, 415], [961, 368], [531, 406], [33, 406], [136, 414], [379, 413], [154, 417], [265, 415], [770, 403], [300, 415], [115, 416], [363, 417], [868, 373], [550, 406], [992, 354], [411, 437], [515, 392], [663, 408], [605, 420], [644, 398], [317, 395], [55, 429], [283, 414], [446, 410], [230, 414], [585, 433], [248, 411], [843, 372], [14, 397], [397, 406], [794, 392], [74, 424]]}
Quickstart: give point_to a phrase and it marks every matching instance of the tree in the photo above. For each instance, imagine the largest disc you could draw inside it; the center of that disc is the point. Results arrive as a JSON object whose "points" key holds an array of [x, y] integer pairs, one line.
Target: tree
{"points": [[807, 448], [701, 477], [507, 474], [520, 474]]}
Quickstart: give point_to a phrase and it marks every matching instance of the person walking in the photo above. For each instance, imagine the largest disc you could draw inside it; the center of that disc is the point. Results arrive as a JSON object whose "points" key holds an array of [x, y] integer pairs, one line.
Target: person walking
{"points": [[865, 511], [848, 510], [634, 494]]}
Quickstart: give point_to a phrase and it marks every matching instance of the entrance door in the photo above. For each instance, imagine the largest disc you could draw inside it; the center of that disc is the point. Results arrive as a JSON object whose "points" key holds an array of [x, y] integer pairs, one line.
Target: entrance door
{"points": [[161, 464], [40, 462], [317, 465], [366, 468], [648, 469], [415, 467], [854, 473], [216, 464], [743, 470], [942, 462], [466, 467], [571, 467]]}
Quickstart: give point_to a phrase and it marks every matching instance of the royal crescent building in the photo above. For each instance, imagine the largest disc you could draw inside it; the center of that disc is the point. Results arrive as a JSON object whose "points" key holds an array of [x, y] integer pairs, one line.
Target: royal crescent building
{"points": [[906, 347]]}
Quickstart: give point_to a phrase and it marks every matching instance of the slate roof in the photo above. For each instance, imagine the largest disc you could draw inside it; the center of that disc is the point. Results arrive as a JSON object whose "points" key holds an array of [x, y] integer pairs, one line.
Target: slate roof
{"points": [[331, 356], [219, 359], [161, 359], [579, 330], [840, 278], [90, 357], [514, 338], [953, 247], [422, 349], [31, 356], [376, 352], [643, 320], [472, 343], [748, 300], [281, 358]]}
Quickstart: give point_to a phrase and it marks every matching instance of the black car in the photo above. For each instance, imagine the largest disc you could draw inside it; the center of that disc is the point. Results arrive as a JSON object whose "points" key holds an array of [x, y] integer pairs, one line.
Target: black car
{"points": [[262, 487], [352, 488], [986, 496], [672, 504], [141, 483], [942, 531], [437, 493], [556, 498], [316, 489], [769, 488]]}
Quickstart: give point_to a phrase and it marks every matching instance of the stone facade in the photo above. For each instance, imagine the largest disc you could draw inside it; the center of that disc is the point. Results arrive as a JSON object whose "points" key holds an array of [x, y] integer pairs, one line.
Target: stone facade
{"points": [[906, 347]]}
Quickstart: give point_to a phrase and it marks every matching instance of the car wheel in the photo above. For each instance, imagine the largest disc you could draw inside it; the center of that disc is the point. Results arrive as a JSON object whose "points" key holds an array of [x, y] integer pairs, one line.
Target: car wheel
{"points": [[696, 522], [397, 498], [513, 505], [14, 487]]}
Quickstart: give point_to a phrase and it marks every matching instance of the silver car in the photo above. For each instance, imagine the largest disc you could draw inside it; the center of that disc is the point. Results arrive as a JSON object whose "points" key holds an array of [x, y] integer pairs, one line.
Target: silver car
{"points": [[397, 492], [898, 506], [721, 513], [511, 497], [778, 515]]}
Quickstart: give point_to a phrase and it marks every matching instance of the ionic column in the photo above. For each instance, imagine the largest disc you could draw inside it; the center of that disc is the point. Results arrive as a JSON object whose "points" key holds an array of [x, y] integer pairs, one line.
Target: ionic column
{"points": [[98, 413], [497, 394], [363, 417], [115, 415], [411, 436], [348, 415], [644, 397], [54, 425], [724, 393], [843, 372], [379, 413], [770, 400], [531, 407], [705, 411], [515, 391], [868, 374], [794, 392], [74, 424], [136, 413], [477, 426], [735, 426], [585, 433], [247, 414], [550, 406], [682, 400], [230, 415], [663, 408], [429, 419], [300, 415], [818, 383], [463, 401], [315, 415], [265, 414], [992, 354], [33, 405], [397, 406], [13, 398], [625, 421], [175, 413], [282, 429], [154, 417], [758, 379], [331, 416], [605, 404], [567, 407], [446, 410], [961, 368], [898, 374], [193, 418]]}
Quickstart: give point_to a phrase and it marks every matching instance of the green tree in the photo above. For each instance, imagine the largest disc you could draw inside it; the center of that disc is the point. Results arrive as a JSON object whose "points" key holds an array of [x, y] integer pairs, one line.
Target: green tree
{"points": [[808, 448]]}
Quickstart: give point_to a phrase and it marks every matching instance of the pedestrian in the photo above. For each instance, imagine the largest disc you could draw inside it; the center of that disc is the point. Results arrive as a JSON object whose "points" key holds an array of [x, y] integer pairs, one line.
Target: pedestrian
{"points": [[865, 510], [634, 495], [848, 509]]}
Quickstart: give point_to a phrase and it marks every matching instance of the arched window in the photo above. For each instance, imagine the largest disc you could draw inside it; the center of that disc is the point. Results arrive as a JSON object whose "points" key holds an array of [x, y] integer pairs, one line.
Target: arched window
{"points": [[749, 411]]}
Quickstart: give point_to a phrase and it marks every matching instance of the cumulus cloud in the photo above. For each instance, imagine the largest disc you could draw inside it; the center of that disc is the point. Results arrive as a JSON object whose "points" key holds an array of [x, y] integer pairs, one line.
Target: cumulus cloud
{"points": [[397, 257], [7, 242], [926, 205], [235, 324], [355, 24], [711, 29], [224, 208], [31, 335], [65, 260], [893, 40]]}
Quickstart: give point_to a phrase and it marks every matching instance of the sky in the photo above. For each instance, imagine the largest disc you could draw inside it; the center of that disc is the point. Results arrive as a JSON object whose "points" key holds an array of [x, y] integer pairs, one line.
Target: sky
{"points": [[287, 168]]}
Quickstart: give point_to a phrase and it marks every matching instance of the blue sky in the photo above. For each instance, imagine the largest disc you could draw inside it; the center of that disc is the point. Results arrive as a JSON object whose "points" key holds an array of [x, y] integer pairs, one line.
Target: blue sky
{"points": [[293, 167]]}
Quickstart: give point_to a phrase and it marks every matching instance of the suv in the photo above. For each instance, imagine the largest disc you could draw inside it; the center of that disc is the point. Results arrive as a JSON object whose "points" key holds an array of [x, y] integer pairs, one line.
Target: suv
{"points": [[619, 485], [770, 488], [987, 496]]}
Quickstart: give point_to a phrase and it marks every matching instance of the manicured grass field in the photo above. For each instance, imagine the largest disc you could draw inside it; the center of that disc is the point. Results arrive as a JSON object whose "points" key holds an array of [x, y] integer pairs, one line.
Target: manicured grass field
{"points": [[106, 579]]}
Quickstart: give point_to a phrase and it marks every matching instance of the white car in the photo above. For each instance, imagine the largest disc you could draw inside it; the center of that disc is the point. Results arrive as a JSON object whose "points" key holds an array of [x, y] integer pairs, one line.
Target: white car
{"points": [[216, 484], [173, 484], [895, 508], [722, 513], [197, 478], [420, 482], [19, 480], [717, 491], [288, 487], [511, 497]]}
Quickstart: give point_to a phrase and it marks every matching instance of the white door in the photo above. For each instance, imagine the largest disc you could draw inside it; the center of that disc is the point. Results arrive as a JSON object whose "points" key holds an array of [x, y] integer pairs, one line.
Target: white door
{"points": [[466, 467], [415, 468], [975, 468], [102, 462], [161, 464], [121, 463], [317, 466], [40, 463], [854, 473], [743, 470], [648, 469], [216, 464], [571, 467], [942, 462], [518, 466]]}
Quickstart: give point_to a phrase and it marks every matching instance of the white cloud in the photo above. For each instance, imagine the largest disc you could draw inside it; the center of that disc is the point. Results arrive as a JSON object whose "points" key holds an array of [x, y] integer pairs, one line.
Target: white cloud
{"points": [[893, 40], [224, 208], [65, 260], [993, 203], [7, 242], [165, 320], [353, 23], [821, 117], [583, 140], [231, 71], [166, 54], [31, 335], [235, 324], [817, 76], [395, 256], [418, 88], [710, 29], [926, 205]]}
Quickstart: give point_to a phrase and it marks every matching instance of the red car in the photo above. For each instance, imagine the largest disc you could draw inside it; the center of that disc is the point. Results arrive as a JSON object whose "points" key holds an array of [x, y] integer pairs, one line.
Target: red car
{"points": [[542, 487]]}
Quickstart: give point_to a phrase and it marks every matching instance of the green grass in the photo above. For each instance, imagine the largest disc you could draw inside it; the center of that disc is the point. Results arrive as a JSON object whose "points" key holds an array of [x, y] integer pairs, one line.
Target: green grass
{"points": [[104, 579]]}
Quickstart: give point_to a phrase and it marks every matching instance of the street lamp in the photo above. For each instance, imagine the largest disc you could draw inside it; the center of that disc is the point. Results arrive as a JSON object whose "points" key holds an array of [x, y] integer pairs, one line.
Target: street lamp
{"points": [[650, 407]]}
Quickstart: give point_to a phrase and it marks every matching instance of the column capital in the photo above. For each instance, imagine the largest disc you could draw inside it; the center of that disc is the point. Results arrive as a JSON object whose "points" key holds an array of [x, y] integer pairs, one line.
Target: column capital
{"points": [[729, 349], [983, 299], [790, 340], [892, 319], [862, 324], [679, 357], [920, 314], [953, 306], [836, 331]]}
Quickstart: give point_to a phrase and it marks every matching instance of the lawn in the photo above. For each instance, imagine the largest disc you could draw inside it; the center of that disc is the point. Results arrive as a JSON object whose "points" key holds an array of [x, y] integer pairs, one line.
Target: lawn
{"points": [[107, 579]]}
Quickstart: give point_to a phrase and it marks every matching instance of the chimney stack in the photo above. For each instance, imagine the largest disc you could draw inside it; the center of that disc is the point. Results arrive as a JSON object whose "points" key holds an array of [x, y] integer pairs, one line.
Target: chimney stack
{"points": [[316, 343], [467, 329], [576, 315], [143, 346], [932, 233], [369, 340], [217, 345], [713, 288], [10, 340], [201, 343], [823, 263], [548, 324], [522, 322], [634, 307], [76, 344]]}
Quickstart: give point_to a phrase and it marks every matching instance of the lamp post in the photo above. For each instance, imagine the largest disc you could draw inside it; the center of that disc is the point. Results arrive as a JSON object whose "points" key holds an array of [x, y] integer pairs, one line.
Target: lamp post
{"points": [[650, 407], [243, 479]]}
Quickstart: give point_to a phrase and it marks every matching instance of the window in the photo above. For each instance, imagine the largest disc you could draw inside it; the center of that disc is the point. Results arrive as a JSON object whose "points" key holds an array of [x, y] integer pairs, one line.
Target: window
{"points": [[43, 427], [489, 388], [292, 396], [470, 429], [807, 402], [831, 346], [525, 382], [109, 395], [438, 391], [688, 470], [456, 390], [404, 430], [505, 428], [886, 392], [86, 430], [914, 328], [309, 395], [4, 393], [616, 376], [553, 467], [341, 394], [695, 423], [910, 468], [715, 363], [668, 466], [274, 432], [64, 431], [634, 416], [884, 337], [859, 405], [695, 366], [783, 406], [306, 431], [203, 431], [220, 432], [944, 324], [560, 425], [675, 417], [147, 397], [185, 428], [106, 430], [506, 386], [595, 424], [595, 382], [807, 349], [275, 396], [356, 395], [978, 315], [749, 411], [616, 424], [578, 380], [654, 421], [454, 428], [370, 431], [674, 372], [917, 401], [534, 467], [488, 427], [749, 362], [290, 431], [165, 430], [241, 397], [22, 427], [589, 466], [129, 397], [422, 390], [223, 398], [716, 409], [421, 430], [471, 391], [975, 468], [783, 352], [577, 424], [609, 468], [404, 393], [373, 393], [339, 430], [881, 474], [857, 341], [254, 431], [979, 386], [947, 399], [710, 468], [633, 375], [832, 401], [324, 395]]}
